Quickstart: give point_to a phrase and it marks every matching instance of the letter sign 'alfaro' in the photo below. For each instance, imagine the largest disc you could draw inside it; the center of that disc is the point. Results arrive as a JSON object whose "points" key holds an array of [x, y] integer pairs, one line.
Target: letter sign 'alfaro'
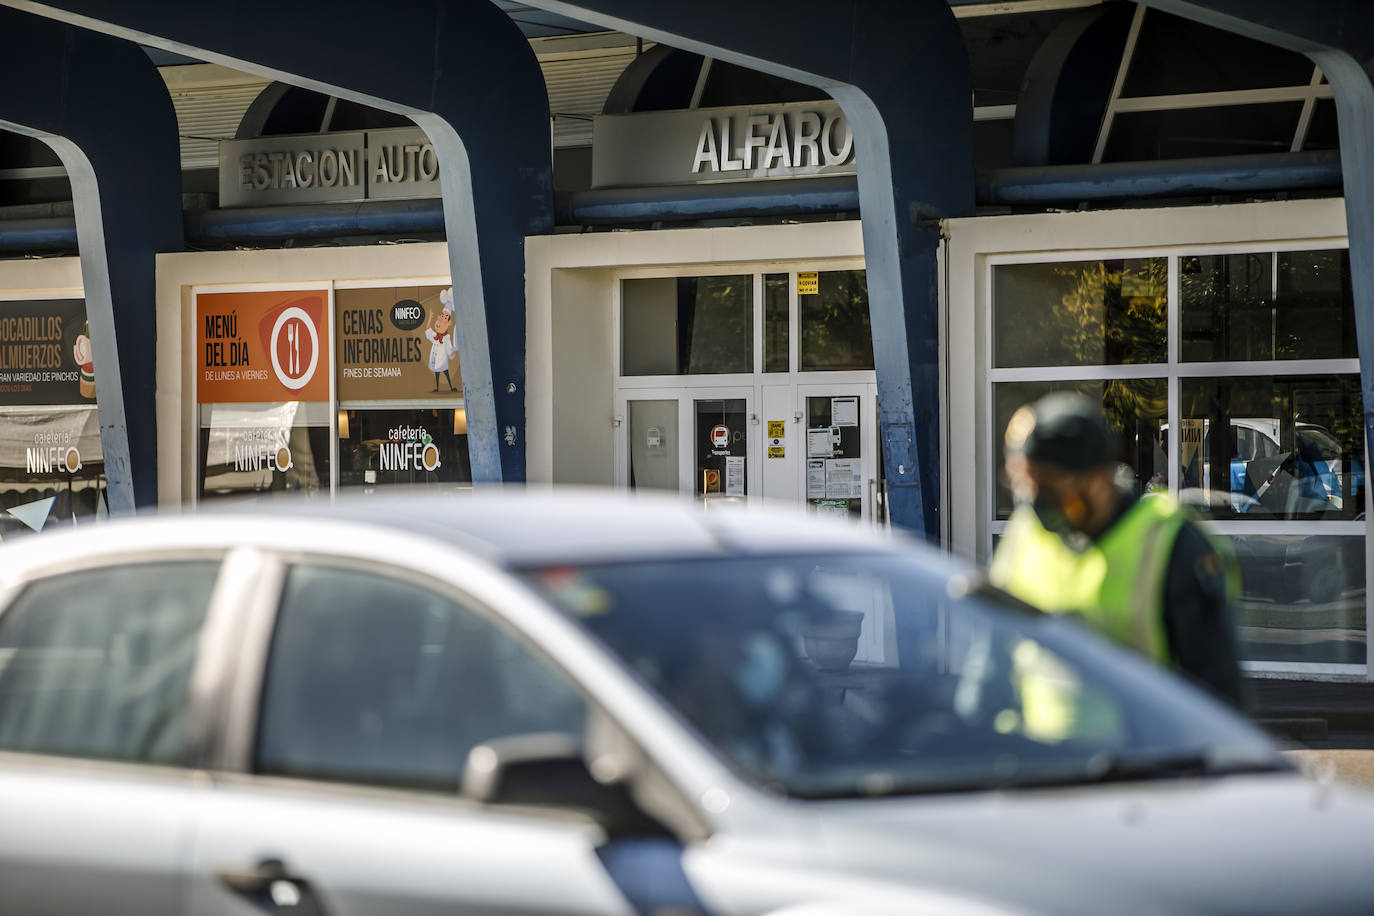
{"points": [[721, 144]]}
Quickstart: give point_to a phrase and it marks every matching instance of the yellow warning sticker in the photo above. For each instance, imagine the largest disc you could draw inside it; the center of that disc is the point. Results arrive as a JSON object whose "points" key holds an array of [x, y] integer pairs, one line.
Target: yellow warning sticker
{"points": [[777, 429], [808, 283], [777, 451]]}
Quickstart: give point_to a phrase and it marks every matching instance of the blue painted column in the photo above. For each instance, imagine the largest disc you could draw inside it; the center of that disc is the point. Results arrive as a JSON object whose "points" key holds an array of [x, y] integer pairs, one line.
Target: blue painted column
{"points": [[464, 73], [899, 71], [102, 107]]}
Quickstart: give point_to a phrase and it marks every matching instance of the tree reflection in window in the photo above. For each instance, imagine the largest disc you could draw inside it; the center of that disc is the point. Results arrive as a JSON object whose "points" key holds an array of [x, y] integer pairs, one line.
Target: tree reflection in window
{"points": [[836, 332], [1081, 313]]}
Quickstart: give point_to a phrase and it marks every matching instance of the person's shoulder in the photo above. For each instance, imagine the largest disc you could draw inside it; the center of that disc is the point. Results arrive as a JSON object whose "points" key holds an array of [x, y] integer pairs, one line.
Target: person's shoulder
{"points": [[1197, 553]]}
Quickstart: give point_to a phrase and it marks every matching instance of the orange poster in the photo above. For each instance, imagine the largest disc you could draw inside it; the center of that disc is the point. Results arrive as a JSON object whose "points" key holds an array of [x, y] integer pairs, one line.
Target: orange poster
{"points": [[262, 346]]}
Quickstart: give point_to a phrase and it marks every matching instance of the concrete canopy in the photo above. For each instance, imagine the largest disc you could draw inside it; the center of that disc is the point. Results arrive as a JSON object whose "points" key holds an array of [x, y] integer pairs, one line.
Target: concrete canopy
{"points": [[455, 67]]}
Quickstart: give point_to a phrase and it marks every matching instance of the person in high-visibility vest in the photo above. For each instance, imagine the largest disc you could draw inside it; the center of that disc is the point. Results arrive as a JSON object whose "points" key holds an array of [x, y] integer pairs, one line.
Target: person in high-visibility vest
{"points": [[1139, 570]]}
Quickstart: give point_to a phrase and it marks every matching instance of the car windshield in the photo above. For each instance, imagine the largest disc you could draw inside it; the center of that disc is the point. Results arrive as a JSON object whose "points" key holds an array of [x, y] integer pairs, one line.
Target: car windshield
{"points": [[873, 673]]}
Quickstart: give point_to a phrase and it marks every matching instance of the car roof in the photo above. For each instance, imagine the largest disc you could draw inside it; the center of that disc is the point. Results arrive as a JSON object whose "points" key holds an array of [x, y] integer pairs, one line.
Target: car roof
{"points": [[517, 527]]}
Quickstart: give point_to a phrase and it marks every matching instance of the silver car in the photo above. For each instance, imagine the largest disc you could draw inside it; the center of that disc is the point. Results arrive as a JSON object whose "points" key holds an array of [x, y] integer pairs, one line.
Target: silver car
{"points": [[591, 704]]}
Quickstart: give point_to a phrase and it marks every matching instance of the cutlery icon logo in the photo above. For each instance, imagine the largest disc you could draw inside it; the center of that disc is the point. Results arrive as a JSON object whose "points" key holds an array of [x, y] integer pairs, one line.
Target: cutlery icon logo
{"points": [[295, 348]]}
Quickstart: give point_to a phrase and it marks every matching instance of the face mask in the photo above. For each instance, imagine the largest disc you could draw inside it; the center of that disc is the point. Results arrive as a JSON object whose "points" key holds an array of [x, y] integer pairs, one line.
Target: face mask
{"points": [[1063, 519]]}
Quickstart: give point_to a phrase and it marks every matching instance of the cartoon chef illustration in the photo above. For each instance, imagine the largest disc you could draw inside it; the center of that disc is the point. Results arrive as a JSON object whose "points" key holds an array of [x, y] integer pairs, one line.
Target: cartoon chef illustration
{"points": [[442, 346]]}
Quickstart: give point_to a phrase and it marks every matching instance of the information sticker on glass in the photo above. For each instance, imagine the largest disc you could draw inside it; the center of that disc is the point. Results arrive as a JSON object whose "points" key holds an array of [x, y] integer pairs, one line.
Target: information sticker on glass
{"points": [[844, 411], [815, 478], [842, 479], [734, 475], [819, 443]]}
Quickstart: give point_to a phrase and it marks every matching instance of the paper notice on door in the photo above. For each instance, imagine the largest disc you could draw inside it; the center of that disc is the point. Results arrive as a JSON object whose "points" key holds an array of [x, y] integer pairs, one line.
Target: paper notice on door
{"points": [[819, 443], [815, 478], [734, 476], [842, 479], [836, 508], [844, 411]]}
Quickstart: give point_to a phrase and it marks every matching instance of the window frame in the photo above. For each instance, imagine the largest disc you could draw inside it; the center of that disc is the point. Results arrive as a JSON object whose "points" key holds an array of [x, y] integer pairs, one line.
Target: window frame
{"points": [[251, 688], [1174, 370], [203, 699], [192, 408]]}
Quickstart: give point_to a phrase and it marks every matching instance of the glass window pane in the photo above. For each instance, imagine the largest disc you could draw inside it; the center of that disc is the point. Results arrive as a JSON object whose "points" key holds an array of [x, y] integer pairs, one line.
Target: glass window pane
{"points": [[1315, 306], [1174, 55], [51, 452], [264, 448], [836, 333], [1080, 313], [401, 448], [653, 445], [1182, 133], [1294, 446], [834, 454], [49, 424], [375, 680], [776, 323], [98, 663], [1255, 306], [687, 325], [1304, 598], [396, 343], [1136, 412], [722, 448]]}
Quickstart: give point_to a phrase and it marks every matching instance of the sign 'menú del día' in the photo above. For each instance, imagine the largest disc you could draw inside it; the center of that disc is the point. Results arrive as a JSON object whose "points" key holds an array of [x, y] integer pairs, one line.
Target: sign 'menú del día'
{"points": [[321, 168], [795, 140]]}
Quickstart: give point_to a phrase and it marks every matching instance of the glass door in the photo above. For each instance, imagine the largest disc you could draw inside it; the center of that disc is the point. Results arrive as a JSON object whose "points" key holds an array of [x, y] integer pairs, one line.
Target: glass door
{"points": [[699, 441], [839, 457], [720, 448]]}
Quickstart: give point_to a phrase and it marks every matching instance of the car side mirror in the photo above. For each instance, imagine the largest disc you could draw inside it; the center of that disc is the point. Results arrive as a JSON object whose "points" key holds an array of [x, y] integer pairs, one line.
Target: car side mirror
{"points": [[548, 770]]}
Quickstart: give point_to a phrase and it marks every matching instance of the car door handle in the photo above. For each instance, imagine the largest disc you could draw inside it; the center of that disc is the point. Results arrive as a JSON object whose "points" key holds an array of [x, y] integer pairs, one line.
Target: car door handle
{"points": [[271, 885]]}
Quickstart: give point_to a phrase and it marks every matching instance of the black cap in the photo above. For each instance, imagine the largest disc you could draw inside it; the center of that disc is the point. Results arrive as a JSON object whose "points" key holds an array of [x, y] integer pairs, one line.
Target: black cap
{"points": [[1062, 429]]}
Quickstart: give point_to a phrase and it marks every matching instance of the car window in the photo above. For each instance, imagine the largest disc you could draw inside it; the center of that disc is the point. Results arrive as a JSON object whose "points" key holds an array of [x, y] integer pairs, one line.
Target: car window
{"points": [[378, 680], [873, 673], [97, 663]]}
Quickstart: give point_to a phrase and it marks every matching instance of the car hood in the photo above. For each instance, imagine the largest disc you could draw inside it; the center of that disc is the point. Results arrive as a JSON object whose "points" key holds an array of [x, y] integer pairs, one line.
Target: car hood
{"points": [[1272, 843]]}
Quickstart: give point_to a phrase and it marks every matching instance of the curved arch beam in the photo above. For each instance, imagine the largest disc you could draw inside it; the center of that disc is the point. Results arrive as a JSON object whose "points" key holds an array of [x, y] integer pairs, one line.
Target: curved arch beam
{"points": [[1067, 85], [1338, 35], [900, 72], [100, 104], [451, 66]]}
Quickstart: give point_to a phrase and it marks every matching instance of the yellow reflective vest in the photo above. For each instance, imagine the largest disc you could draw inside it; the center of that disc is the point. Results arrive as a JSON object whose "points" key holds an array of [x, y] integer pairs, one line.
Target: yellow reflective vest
{"points": [[1116, 584]]}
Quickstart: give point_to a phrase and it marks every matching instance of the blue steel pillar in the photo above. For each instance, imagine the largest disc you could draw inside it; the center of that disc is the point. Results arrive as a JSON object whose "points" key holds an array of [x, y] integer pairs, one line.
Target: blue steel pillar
{"points": [[102, 107], [899, 70], [455, 67]]}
